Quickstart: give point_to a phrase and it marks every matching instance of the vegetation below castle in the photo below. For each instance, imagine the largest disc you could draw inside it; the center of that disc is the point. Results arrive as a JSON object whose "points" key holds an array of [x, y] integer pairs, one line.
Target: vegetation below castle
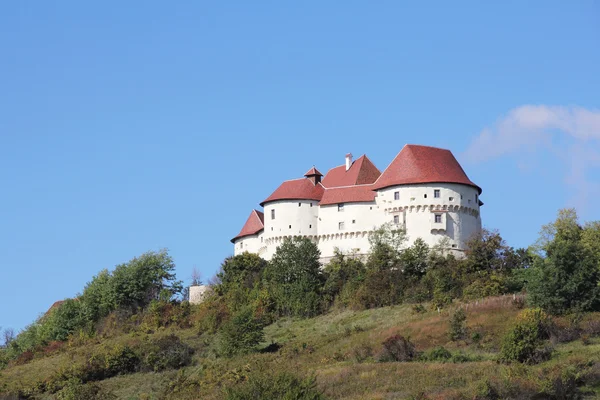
{"points": [[406, 323]]}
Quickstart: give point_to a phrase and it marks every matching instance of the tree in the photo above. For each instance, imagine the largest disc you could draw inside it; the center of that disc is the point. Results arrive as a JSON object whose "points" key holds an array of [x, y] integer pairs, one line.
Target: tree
{"points": [[414, 259], [243, 270], [196, 277], [242, 334], [343, 274], [294, 277], [566, 279], [387, 235], [143, 279]]}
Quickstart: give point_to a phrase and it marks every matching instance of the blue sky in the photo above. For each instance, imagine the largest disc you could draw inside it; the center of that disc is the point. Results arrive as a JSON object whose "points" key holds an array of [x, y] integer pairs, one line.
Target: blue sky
{"points": [[127, 127]]}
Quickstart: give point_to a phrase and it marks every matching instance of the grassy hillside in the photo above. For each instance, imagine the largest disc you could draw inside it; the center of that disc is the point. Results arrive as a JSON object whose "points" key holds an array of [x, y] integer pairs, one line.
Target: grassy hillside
{"points": [[340, 349]]}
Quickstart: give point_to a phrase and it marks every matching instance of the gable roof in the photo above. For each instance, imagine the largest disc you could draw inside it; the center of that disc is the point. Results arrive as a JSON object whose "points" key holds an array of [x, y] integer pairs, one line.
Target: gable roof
{"points": [[423, 164], [254, 224], [348, 194], [296, 189], [361, 172]]}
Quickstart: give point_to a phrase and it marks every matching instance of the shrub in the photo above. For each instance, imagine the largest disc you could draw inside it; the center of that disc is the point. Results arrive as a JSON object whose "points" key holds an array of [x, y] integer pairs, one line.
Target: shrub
{"points": [[437, 354], [362, 352], [281, 386], [241, 334], [121, 360], [458, 328], [75, 390], [168, 352], [418, 309], [522, 343], [397, 348]]}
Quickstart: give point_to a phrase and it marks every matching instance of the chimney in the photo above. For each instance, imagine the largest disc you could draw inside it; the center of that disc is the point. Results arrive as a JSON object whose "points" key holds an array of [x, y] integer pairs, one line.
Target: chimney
{"points": [[348, 161]]}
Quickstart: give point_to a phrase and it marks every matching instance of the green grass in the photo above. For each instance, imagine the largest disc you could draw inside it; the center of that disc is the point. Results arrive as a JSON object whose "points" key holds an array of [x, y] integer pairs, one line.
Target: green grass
{"points": [[325, 346]]}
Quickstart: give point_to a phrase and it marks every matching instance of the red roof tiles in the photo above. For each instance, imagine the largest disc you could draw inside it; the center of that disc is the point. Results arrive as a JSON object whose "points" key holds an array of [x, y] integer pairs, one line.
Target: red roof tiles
{"points": [[348, 194], [297, 189], [361, 172], [254, 224], [313, 171], [423, 164]]}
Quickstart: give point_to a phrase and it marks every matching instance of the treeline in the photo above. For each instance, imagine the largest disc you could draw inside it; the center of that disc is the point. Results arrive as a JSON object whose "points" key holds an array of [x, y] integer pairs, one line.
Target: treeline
{"points": [[560, 273], [129, 288]]}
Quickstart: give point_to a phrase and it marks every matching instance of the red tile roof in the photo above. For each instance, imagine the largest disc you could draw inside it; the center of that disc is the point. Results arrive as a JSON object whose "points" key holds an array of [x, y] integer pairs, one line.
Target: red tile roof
{"points": [[254, 224], [313, 171], [423, 164], [361, 172], [348, 194], [297, 189]]}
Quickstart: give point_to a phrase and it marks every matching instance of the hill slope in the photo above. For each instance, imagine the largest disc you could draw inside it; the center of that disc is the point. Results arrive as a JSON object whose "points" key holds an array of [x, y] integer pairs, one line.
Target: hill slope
{"points": [[341, 350]]}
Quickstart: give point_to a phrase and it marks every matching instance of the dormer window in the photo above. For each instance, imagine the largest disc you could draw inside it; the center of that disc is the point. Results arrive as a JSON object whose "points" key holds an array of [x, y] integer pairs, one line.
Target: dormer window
{"points": [[436, 193], [340, 207]]}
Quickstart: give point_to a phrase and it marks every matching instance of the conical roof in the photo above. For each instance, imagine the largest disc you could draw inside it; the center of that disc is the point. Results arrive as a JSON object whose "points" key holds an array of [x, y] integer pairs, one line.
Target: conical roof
{"points": [[253, 225], [423, 164]]}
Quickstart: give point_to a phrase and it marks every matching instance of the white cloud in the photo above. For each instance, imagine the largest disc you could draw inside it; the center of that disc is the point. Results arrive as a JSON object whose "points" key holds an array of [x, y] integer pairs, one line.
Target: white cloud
{"points": [[532, 128]]}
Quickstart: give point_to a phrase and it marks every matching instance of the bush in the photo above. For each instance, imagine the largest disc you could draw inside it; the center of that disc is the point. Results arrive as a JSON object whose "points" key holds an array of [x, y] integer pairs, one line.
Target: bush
{"points": [[397, 348], [362, 352], [281, 386], [168, 352], [121, 360], [242, 334], [75, 390], [458, 328], [522, 343], [440, 354]]}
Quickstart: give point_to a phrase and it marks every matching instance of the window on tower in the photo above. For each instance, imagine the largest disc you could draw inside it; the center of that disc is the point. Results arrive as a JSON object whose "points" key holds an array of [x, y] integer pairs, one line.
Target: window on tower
{"points": [[396, 195], [341, 226], [438, 218], [436, 193], [273, 214], [341, 207], [396, 219]]}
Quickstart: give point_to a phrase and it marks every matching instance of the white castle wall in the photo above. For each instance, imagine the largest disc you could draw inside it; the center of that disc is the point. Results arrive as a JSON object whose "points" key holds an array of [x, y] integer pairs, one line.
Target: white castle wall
{"points": [[457, 205]]}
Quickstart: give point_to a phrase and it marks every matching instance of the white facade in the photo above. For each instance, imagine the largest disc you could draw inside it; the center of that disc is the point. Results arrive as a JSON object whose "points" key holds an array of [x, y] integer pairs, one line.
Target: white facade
{"points": [[346, 226], [430, 211]]}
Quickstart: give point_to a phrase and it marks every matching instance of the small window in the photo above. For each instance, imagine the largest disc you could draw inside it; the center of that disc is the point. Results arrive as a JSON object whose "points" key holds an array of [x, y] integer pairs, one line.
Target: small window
{"points": [[436, 193], [451, 199], [396, 195], [453, 246], [311, 204], [461, 196], [438, 218], [261, 239], [271, 228], [310, 226], [370, 208], [396, 219], [469, 201], [341, 207], [273, 214], [353, 221], [299, 204], [475, 198], [290, 226], [241, 245], [425, 196], [341, 226]]}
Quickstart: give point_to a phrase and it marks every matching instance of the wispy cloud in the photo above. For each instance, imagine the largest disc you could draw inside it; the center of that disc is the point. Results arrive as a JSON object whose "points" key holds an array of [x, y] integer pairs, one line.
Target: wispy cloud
{"points": [[535, 127]]}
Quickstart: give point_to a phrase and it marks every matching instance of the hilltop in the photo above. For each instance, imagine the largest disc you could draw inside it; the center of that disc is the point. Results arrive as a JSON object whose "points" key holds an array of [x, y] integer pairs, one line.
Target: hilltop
{"points": [[405, 323]]}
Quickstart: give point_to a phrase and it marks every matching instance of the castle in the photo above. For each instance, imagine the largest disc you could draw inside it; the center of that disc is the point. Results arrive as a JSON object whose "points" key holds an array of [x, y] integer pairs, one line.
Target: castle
{"points": [[424, 190]]}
